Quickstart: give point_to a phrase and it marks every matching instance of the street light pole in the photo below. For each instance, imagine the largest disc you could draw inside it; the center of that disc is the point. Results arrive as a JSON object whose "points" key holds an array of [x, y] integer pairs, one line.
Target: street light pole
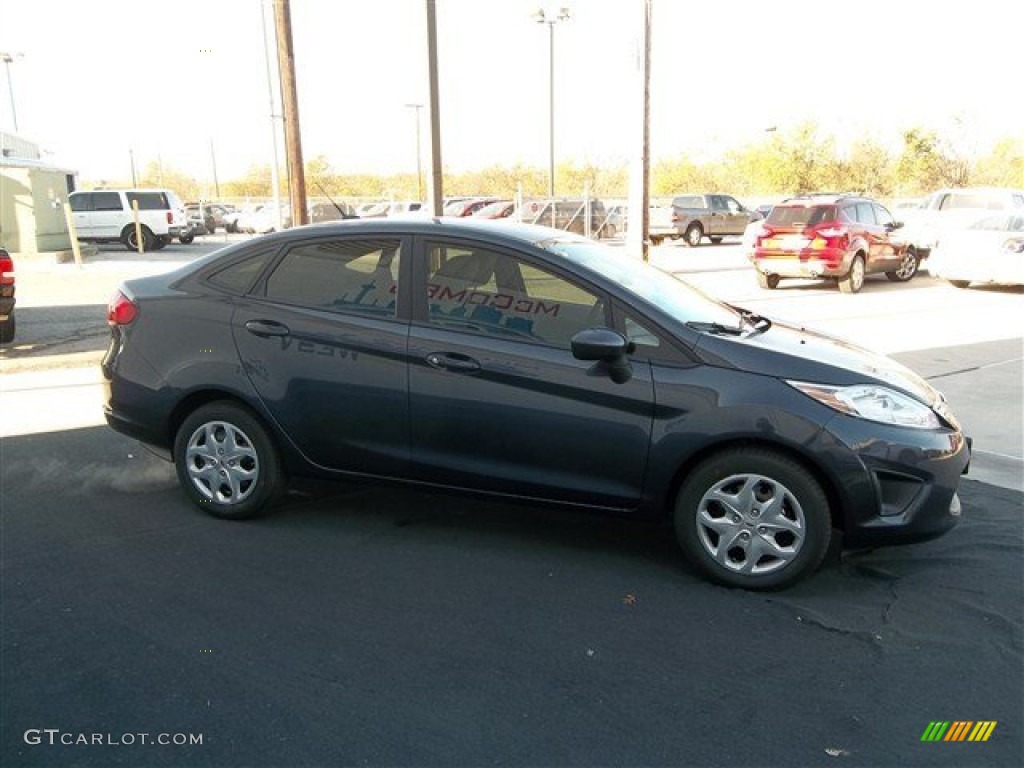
{"points": [[419, 157], [8, 59], [542, 18]]}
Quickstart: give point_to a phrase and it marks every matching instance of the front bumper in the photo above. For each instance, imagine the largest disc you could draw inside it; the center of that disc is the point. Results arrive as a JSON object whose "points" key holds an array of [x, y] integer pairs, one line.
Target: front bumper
{"points": [[906, 483]]}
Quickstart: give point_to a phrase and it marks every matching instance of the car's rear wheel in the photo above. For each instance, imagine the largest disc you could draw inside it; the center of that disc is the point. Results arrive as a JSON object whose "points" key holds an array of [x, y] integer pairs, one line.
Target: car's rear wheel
{"points": [[227, 462], [907, 269], [186, 239], [753, 518], [693, 235], [656, 239], [7, 329], [131, 242], [161, 241], [853, 280], [771, 282]]}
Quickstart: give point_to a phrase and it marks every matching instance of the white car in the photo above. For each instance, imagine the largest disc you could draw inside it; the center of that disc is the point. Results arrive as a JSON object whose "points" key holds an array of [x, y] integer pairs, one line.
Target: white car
{"points": [[107, 216], [261, 219], [991, 250]]}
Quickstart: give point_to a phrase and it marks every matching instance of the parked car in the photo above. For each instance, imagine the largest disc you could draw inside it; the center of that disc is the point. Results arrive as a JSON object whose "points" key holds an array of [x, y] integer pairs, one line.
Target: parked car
{"points": [[7, 299], [949, 209], [841, 238], [466, 207], [694, 217], [569, 214], [200, 222], [213, 215], [499, 209], [319, 212], [533, 365], [106, 216], [262, 219], [991, 250]]}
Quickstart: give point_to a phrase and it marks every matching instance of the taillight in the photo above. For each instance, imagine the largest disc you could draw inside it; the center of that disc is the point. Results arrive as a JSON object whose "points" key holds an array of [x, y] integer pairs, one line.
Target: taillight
{"points": [[121, 310], [6, 269], [170, 217], [830, 237]]}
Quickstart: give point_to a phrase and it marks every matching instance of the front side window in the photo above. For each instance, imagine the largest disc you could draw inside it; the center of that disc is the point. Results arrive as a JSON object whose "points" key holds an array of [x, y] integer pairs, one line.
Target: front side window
{"points": [[866, 213], [484, 291], [357, 275]]}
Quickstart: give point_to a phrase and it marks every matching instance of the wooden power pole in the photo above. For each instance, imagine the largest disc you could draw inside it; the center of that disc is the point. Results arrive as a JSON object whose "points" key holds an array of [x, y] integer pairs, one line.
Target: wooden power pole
{"points": [[290, 105]]}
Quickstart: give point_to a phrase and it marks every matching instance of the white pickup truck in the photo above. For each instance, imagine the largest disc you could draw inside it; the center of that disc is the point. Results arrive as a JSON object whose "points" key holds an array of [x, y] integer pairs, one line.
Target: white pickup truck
{"points": [[950, 208], [694, 217]]}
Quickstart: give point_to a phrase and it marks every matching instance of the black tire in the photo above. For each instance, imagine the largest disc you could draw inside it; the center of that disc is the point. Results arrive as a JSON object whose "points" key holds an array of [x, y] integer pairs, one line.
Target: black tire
{"points": [[227, 462], [656, 239], [132, 243], [7, 329], [907, 269], [853, 280], [716, 239], [771, 282], [693, 235], [960, 283], [782, 518], [186, 239], [161, 241]]}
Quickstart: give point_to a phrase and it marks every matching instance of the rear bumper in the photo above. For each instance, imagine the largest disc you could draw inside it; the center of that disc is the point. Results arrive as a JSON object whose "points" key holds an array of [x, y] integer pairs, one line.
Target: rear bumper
{"points": [[805, 263]]}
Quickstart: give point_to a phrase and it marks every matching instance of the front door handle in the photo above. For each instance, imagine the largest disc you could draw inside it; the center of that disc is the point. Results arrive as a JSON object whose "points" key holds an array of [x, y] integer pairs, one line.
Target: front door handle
{"points": [[266, 328], [452, 362]]}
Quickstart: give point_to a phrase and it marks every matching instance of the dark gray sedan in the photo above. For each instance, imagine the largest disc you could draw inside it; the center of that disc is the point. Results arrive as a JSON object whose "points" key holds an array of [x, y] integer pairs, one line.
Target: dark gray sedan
{"points": [[527, 363]]}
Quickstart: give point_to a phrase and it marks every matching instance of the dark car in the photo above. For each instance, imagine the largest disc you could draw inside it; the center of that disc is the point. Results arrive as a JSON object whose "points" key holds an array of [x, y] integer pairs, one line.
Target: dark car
{"points": [[838, 237], [526, 364], [7, 322]]}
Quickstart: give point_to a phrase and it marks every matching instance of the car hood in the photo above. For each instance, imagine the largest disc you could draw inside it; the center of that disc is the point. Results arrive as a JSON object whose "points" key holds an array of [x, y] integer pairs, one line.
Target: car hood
{"points": [[800, 354]]}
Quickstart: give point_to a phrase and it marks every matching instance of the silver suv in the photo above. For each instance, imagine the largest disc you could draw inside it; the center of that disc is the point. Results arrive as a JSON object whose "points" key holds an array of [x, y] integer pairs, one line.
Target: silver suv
{"points": [[105, 216]]}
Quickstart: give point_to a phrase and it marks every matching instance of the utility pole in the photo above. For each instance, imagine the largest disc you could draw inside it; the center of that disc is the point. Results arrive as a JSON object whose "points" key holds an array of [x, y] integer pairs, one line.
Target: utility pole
{"points": [[638, 224], [290, 107], [436, 180]]}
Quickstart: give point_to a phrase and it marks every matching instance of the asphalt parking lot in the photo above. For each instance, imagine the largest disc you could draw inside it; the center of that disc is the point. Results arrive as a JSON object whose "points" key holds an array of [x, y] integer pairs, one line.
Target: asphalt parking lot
{"points": [[370, 626]]}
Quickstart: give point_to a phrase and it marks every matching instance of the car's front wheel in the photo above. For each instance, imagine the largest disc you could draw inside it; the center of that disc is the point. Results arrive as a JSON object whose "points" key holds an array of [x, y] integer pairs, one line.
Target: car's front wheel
{"points": [[186, 239], [907, 269], [753, 518], [227, 462], [131, 242]]}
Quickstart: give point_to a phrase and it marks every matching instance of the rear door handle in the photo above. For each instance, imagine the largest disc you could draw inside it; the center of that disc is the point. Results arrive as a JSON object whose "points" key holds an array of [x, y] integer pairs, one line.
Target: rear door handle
{"points": [[452, 362], [266, 328]]}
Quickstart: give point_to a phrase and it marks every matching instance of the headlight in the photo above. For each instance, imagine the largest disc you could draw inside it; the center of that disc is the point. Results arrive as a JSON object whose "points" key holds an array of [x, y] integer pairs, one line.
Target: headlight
{"points": [[1014, 245], [874, 403]]}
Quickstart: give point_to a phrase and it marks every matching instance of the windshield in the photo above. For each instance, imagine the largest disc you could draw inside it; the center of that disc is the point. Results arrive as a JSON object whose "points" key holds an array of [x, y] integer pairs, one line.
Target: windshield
{"points": [[671, 295]]}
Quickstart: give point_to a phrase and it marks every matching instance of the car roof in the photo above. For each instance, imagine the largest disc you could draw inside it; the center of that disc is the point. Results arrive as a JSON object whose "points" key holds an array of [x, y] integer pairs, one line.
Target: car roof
{"points": [[511, 231]]}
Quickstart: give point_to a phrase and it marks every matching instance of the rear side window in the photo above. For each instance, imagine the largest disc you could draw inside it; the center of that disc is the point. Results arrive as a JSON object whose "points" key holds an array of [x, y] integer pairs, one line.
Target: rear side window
{"points": [[240, 276], [358, 275], [866, 213], [96, 201], [81, 202], [149, 201]]}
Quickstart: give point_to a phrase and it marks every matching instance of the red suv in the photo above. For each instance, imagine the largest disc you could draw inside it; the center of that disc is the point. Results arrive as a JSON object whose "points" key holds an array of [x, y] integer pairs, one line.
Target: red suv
{"points": [[6, 297], [838, 237]]}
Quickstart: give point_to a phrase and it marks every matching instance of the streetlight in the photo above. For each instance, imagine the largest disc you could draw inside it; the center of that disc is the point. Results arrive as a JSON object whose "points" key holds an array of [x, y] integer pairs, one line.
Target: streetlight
{"points": [[8, 59], [419, 158], [542, 18]]}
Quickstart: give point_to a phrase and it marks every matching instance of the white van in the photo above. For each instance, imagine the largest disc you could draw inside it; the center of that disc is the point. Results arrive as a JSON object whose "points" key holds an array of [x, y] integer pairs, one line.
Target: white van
{"points": [[105, 216]]}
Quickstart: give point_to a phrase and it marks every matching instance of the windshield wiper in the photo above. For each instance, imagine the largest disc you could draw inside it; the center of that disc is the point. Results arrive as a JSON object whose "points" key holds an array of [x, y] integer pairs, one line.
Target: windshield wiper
{"points": [[759, 323], [715, 328]]}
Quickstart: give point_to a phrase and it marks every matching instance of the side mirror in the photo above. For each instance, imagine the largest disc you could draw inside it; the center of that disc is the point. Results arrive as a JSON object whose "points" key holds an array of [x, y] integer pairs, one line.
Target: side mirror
{"points": [[608, 348]]}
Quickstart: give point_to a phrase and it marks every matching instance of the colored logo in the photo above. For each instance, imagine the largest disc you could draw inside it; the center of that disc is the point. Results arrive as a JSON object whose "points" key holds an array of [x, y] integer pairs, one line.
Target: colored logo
{"points": [[959, 730]]}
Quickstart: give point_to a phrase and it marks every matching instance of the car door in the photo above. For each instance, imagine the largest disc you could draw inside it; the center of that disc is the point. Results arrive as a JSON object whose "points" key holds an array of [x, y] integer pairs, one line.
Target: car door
{"points": [[737, 217], [891, 244], [81, 213], [323, 340], [497, 402], [109, 216]]}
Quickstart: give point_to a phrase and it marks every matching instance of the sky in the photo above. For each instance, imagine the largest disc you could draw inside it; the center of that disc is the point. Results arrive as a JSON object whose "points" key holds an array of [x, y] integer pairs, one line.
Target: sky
{"points": [[184, 82]]}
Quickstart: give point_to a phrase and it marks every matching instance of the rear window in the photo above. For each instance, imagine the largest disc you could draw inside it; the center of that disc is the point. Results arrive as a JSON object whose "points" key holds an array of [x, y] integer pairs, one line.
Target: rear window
{"points": [[801, 215], [972, 200]]}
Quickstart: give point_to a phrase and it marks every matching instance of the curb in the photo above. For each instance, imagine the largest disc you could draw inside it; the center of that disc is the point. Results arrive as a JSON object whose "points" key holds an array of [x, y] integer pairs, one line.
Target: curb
{"points": [[88, 359]]}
